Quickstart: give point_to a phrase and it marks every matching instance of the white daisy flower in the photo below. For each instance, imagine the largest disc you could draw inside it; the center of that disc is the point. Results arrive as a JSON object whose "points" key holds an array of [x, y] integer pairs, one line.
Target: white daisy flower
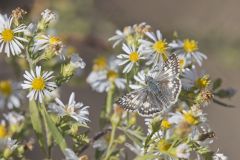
{"points": [[219, 156], [131, 58], [103, 80], [194, 116], [75, 66], [47, 42], [13, 117], [9, 94], [121, 36], [191, 78], [10, 41], [155, 48], [48, 16], [77, 61], [183, 62], [8, 143], [74, 109], [188, 48], [38, 83], [183, 151]]}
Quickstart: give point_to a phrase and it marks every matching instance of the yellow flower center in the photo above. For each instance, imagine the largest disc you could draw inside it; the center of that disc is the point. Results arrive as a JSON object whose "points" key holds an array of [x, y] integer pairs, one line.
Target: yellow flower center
{"points": [[182, 63], [38, 84], [163, 145], [5, 88], [112, 75], [54, 40], [190, 46], [203, 82], [165, 124], [3, 131], [190, 118], [100, 64], [160, 46], [134, 57], [7, 35]]}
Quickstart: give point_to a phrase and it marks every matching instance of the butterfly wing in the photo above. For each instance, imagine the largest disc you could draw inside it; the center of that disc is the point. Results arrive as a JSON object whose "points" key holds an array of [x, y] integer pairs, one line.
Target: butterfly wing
{"points": [[147, 102], [169, 70], [168, 80], [142, 101], [150, 106], [133, 100], [170, 89]]}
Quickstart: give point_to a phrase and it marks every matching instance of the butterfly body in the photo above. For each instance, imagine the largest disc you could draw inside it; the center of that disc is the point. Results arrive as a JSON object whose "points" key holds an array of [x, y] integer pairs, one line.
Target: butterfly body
{"points": [[152, 85], [160, 92]]}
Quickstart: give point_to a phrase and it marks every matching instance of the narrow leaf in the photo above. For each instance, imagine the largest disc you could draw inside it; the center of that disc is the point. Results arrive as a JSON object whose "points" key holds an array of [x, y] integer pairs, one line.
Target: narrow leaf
{"points": [[54, 130], [146, 157], [36, 123]]}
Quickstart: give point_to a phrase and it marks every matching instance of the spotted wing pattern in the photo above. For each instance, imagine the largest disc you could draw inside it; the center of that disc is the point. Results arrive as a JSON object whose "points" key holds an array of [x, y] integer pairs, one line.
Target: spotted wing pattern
{"points": [[147, 102], [132, 100]]}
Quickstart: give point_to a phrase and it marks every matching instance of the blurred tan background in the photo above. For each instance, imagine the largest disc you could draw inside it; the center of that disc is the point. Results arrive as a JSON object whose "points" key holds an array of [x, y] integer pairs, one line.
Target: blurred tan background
{"points": [[87, 24]]}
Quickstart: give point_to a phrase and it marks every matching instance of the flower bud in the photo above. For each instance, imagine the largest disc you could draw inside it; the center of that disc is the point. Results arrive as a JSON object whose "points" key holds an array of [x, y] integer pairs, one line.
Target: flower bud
{"points": [[84, 157], [47, 18], [7, 153], [132, 119], [121, 139], [74, 129], [18, 14], [115, 119]]}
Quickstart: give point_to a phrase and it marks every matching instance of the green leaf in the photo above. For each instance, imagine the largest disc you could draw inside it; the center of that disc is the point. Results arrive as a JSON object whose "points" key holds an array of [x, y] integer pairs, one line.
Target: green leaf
{"points": [[217, 83], [135, 134], [146, 157], [36, 123], [226, 93], [53, 129]]}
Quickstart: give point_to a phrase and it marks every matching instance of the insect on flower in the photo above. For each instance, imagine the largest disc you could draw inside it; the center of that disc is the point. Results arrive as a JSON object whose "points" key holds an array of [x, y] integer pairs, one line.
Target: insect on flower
{"points": [[161, 90]]}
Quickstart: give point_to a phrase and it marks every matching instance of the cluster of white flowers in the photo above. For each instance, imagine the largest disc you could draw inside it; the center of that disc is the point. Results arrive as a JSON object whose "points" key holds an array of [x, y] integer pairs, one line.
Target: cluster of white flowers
{"points": [[153, 48], [37, 52], [179, 131], [183, 131]]}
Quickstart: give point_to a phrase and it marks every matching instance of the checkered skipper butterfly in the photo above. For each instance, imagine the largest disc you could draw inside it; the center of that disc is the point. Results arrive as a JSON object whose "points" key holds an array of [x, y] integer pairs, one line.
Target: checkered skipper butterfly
{"points": [[160, 93]]}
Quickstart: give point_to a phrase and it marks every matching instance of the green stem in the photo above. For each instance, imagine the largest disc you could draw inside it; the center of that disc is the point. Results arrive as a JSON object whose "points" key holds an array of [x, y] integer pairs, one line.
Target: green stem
{"points": [[127, 78], [147, 142], [109, 100], [109, 149]]}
